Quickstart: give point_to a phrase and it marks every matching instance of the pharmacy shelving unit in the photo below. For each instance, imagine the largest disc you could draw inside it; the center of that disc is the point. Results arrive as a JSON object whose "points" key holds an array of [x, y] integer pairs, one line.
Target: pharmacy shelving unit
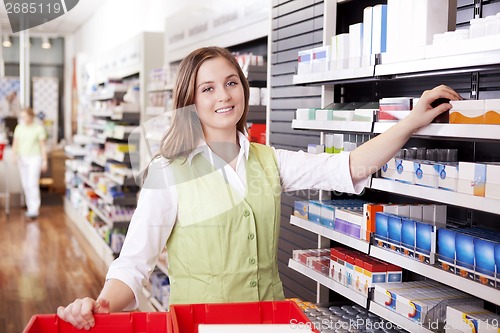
{"points": [[482, 62], [129, 63]]}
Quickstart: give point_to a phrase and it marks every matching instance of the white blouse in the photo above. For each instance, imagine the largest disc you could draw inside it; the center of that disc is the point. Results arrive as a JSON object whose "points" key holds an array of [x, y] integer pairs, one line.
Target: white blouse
{"points": [[156, 211]]}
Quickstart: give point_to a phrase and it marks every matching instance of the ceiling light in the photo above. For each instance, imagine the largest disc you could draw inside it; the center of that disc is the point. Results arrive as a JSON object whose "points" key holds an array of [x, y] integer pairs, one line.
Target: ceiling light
{"points": [[46, 43], [6, 42]]}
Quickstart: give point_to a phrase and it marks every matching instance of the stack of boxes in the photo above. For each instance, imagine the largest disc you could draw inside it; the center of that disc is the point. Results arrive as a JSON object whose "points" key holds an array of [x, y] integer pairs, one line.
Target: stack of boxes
{"points": [[350, 268], [471, 319], [422, 302], [410, 229], [472, 253], [354, 218]]}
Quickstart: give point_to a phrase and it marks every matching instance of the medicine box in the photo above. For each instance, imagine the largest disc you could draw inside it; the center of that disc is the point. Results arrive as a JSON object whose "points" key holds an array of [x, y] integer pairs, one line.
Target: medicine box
{"points": [[394, 273], [467, 112], [320, 59], [472, 178], [408, 234], [425, 242], [425, 174], [446, 249], [388, 170], [448, 176], [327, 215], [492, 109], [492, 188], [471, 319], [404, 171], [349, 270], [381, 229], [338, 272], [464, 255], [484, 253], [394, 232], [373, 272], [304, 62], [369, 213], [305, 114], [323, 115], [300, 209], [314, 211]]}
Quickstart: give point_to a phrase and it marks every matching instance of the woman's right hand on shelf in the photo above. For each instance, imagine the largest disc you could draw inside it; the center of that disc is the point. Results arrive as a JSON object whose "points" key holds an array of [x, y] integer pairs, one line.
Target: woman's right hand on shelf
{"points": [[81, 312]]}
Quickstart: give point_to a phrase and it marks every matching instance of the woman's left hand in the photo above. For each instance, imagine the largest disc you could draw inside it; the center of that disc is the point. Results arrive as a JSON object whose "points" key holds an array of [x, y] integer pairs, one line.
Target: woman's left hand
{"points": [[423, 112]]}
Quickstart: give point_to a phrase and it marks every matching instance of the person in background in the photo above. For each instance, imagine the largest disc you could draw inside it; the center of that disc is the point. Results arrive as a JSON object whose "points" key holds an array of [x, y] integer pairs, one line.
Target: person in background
{"points": [[214, 198], [30, 154]]}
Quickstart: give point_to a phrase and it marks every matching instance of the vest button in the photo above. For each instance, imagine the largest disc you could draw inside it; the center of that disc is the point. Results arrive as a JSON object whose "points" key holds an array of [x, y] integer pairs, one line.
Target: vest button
{"points": [[253, 283], [251, 236], [251, 261], [246, 213]]}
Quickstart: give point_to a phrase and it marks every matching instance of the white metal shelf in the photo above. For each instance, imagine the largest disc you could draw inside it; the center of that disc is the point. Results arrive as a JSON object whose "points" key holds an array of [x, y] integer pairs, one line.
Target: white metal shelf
{"points": [[99, 213], [162, 268], [329, 283], [337, 75], [352, 242], [121, 132], [341, 126], [397, 319], [467, 131], [450, 62], [439, 195], [456, 281]]}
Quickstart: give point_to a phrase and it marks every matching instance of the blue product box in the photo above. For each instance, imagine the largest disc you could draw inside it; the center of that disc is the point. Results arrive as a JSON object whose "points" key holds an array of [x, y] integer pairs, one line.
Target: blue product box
{"points": [[425, 242], [381, 229], [394, 232], [314, 213], [497, 264], [484, 252], [446, 249], [464, 248], [408, 231], [300, 209], [327, 215]]}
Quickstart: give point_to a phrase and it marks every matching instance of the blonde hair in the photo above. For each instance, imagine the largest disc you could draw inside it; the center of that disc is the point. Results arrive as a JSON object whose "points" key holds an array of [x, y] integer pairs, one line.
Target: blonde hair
{"points": [[185, 132], [29, 112]]}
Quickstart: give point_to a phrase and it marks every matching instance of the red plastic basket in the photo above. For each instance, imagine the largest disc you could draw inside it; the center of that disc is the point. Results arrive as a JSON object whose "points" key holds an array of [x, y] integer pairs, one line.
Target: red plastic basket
{"points": [[186, 318], [2, 147], [135, 322]]}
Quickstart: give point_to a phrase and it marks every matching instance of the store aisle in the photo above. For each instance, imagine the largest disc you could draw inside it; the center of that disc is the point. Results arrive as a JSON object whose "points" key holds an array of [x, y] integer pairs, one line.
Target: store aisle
{"points": [[42, 265]]}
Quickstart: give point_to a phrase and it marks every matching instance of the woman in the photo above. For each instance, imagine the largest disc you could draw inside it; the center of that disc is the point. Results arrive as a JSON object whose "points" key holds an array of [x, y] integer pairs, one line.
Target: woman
{"points": [[29, 151], [214, 198]]}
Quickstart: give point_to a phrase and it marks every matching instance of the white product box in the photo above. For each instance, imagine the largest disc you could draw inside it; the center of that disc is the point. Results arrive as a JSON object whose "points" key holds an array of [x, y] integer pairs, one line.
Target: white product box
{"points": [[320, 59], [342, 51], [471, 319], [366, 52], [448, 176], [425, 174], [429, 17], [304, 62], [263, 96], [364, 114], [492, 181], [389, 169], [379, 30], [416, 212], [472, 178], [492, 106], [305, 114], [254, 98], [355, 44], [405, 172], [467, 112]]}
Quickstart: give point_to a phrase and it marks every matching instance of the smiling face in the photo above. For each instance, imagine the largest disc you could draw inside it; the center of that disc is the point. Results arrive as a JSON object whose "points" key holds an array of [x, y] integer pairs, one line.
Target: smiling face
{"points": [[219, 97]]}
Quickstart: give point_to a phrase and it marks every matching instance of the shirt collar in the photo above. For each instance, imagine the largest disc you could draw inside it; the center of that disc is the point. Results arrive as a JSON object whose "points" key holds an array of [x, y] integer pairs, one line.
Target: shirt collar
{"points": [[203, 148]]}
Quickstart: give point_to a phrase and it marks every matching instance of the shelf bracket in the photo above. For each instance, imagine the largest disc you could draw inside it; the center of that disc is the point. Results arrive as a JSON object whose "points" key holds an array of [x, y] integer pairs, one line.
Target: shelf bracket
{"points": [[478, 8], [474, 92]]}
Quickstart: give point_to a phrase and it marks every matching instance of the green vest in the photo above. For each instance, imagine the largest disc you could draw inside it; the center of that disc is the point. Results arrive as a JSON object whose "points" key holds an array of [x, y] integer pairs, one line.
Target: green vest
{"points": [[223, 248]]}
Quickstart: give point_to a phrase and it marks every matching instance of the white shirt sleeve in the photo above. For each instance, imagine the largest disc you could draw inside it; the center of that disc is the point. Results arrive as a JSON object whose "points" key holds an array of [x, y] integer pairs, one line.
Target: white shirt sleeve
{"points": [[148, 232], [328, 172]]}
